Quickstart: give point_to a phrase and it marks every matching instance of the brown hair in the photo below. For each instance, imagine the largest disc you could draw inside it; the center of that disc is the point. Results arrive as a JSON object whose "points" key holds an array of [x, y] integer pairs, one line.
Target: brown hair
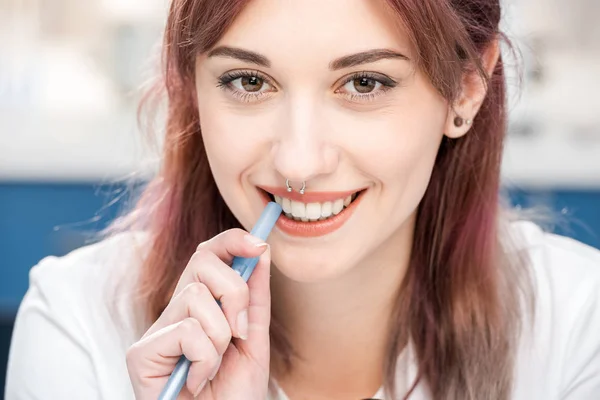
{"points": [[459, 305]]}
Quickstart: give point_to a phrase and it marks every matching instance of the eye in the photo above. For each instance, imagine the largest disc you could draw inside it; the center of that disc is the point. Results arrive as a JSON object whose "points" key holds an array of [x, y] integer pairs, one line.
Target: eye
{"points": [[362, 85], [366, 86], [249, 83], [246, 85]]}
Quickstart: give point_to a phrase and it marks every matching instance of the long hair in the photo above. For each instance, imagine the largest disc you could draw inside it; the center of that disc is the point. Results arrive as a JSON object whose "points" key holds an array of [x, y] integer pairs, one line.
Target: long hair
{"points": [[459, 305]]}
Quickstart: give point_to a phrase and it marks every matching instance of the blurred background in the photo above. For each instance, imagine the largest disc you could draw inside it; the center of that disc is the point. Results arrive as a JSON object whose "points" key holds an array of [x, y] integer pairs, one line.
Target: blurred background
{"points": [[70, 73]]}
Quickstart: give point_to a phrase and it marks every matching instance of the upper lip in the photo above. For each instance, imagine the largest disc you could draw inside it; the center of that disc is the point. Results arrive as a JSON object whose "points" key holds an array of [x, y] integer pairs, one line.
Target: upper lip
{"points": [[308, 196]]}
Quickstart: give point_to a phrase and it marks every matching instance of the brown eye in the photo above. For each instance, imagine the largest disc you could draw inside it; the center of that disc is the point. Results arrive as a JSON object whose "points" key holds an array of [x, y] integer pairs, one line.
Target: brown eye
{"points": [[252, 83], [364, 85]]}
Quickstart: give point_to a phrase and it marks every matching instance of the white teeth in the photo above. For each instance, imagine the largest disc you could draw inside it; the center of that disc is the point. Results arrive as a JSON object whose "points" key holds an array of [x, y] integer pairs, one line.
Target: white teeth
{"points": [[286, 205], [313, 211], [326, 209], [299, 211], [338, 206]]}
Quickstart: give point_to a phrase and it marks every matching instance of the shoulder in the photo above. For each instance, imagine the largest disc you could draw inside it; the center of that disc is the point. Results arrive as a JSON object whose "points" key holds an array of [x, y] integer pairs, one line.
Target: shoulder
{"points": [[80, 304], [560, 351], [91, 264], [91, 285], [562, 268]]}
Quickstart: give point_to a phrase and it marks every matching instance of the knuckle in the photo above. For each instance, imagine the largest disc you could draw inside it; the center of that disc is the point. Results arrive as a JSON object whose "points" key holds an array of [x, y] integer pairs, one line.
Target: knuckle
{"points": [[240, 292], [214, 358], [236, 296], [228, 235], [216, 328], [231, 236], [201, 253], [194, 291], [189, 326], [200, 262], [202, 246], [132, 353], [222, 341], [237, 231]]}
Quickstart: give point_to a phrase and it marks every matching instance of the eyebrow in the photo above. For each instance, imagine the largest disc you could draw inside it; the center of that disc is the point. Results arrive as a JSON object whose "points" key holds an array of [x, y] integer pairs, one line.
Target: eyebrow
{"points": [[240, 54], [365, 57], [348, 61]]}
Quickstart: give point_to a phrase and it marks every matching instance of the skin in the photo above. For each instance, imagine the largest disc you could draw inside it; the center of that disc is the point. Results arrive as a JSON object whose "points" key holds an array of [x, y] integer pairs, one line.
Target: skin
{"points": [[304, 121]]}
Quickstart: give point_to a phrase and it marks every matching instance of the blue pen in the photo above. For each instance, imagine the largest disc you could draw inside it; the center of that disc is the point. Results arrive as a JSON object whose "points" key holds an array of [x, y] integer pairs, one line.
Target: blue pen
{"points": [[244, 267]]}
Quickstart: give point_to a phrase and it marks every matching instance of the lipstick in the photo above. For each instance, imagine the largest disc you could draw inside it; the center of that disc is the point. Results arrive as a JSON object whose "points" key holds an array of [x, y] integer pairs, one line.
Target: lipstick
{"points": [[318, 228]]}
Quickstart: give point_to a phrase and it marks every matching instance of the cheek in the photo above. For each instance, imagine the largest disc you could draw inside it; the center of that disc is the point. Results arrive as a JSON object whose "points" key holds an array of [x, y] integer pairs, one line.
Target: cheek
{"points": [[399, 142], [229, 147], [233, 141], [235, 144]]}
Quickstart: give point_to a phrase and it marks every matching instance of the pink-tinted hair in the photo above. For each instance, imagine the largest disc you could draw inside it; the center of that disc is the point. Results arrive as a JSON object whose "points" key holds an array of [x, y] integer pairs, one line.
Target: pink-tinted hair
{"points": [[459, 305]]}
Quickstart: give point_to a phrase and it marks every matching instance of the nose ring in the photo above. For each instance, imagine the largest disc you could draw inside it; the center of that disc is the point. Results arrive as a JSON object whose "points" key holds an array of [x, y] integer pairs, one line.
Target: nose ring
{"points": [[289, 187]]}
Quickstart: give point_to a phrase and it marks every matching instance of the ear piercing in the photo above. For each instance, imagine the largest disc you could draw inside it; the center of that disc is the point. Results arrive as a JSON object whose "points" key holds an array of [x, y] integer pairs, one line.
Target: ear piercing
{"points": [[458, 122]]}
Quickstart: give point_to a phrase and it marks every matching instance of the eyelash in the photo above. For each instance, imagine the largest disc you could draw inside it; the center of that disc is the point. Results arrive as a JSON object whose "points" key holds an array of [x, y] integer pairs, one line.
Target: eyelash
{"points": [[224, 82]]}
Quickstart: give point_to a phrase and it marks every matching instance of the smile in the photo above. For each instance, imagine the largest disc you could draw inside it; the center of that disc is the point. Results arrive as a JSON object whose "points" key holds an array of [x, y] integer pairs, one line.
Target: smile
{"points": [[314, 213], [305, 212]]}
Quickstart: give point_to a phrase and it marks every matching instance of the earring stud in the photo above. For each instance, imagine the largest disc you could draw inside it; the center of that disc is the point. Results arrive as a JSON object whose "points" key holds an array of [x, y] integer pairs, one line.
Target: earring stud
{"points": [[458, 122]]}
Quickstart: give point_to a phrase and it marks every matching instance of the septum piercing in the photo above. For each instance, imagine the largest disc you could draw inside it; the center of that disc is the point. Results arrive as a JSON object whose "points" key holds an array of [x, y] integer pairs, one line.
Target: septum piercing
{"points": [[289, 187]]}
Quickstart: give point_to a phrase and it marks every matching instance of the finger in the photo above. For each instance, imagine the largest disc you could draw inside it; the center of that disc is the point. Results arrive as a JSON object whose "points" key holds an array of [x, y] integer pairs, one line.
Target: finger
{"points": [[234, 242], [225, 285], [258, 340], [196, 301], [157, 354], [226, 245], [259, 284]]}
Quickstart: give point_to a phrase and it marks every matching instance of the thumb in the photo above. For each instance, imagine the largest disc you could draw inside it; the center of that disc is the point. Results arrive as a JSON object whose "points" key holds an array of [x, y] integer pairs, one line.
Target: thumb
{"points": [[259, 311], [259, 283]]}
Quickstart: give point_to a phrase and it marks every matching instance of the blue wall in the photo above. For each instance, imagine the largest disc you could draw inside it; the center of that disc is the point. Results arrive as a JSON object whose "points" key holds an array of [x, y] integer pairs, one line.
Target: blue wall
{"points": [[37, 220]]}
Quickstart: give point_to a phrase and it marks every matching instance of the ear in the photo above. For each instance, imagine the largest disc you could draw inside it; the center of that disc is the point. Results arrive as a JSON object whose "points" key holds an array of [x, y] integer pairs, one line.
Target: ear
{"points": [[474, 90]]}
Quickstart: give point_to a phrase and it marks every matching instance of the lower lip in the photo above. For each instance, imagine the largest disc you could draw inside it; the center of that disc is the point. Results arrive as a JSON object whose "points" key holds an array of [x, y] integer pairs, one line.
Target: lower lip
{"points": [[316, 228]]}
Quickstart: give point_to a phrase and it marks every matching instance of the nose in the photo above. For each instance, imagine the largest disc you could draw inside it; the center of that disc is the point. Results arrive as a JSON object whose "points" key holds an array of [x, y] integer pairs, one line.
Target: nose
{"points": [[302, 151]]}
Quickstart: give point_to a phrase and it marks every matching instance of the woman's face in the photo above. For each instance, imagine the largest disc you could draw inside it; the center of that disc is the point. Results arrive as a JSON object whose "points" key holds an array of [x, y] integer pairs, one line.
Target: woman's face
{"points": [[324, 92]]}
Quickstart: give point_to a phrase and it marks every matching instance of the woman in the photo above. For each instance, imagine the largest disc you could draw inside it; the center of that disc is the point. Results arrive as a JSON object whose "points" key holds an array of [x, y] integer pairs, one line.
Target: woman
{"points": [[395, 274]]}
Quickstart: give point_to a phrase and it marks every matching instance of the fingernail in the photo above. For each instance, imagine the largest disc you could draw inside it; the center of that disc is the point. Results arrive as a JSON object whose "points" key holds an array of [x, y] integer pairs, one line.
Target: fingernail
{"points": [[214, 373], [200, 388], [255, 241], [242, 325]]}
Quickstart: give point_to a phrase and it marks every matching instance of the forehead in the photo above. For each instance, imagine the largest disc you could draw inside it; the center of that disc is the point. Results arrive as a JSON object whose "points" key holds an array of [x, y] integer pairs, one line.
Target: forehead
{"points": [[316, 31]]}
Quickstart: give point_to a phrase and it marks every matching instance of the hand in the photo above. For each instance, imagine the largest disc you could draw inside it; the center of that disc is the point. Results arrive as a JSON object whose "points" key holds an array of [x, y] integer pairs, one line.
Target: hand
{"points": [[228, 345]]}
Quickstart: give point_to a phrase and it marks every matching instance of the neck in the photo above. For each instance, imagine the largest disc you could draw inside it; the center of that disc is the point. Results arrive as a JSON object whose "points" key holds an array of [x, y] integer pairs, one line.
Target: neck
{"points": [[339, 328]]}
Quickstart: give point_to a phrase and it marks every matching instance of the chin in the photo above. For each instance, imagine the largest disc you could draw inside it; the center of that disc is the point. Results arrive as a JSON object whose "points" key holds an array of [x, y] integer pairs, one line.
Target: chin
{"points": [[306, 267]]}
